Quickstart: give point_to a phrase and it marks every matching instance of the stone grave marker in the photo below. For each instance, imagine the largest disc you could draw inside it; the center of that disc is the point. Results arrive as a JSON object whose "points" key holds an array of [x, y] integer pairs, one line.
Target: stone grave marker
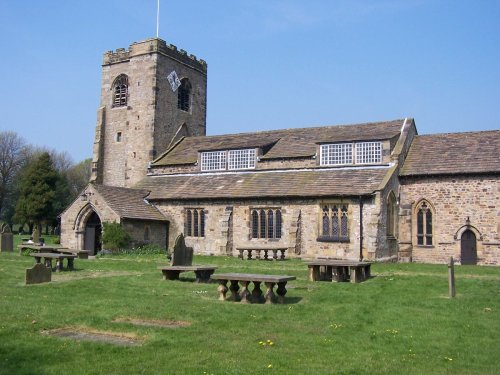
{"points": [[38, 274], [182, 255], [36, 235], [6, 239]]}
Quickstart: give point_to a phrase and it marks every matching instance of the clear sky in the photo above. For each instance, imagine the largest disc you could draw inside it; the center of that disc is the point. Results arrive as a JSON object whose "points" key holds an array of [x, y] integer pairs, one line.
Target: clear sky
{"points": [[272, 64]]}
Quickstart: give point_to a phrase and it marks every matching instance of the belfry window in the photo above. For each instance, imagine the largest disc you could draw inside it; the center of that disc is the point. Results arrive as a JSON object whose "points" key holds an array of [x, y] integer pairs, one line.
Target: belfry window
{"points": [[424, 224], [194, 222], [120, 91], [266, 223], [184, 95], [334, 223]]}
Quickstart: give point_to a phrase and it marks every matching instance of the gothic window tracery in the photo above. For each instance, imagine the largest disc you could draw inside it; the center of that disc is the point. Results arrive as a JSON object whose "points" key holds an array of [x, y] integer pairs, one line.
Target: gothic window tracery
{"points": [[424, 219], [266, 223], [334, 223], [194, 222]]}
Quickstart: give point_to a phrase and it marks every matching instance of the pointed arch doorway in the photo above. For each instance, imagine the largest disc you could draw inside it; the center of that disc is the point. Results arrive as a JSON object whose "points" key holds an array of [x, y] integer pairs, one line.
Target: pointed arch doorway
{"points": [[468, 248], [92, 234]]}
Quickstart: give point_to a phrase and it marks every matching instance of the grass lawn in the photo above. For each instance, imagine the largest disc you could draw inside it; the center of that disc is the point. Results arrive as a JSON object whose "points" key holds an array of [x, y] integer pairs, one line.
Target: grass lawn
{"points": [[400, 321]]}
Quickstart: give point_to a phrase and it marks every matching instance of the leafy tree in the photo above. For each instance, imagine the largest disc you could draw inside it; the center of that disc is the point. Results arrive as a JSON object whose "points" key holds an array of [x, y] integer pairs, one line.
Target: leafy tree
{"points": [[37, 192], [78, 176], [114, 236]]}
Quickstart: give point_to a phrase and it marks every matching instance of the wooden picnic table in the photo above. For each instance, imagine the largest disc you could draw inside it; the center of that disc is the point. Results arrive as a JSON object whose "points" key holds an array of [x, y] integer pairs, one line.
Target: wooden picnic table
{"points": [[256, 295], [339, 270], [58, 257], [263, 249], [202, 273]]}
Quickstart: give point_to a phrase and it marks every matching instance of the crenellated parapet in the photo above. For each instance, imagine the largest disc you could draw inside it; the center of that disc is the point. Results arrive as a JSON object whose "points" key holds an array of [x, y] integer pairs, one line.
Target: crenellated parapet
{"points": [[154, 45]]}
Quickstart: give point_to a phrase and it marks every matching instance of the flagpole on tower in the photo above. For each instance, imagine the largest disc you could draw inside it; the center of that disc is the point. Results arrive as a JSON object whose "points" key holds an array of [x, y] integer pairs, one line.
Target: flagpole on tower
{"points": [[158, 19]]}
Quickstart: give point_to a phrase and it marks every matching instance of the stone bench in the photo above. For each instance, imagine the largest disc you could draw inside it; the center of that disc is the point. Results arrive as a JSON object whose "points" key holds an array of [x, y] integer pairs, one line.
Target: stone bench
{"points": [[58, 257], [202, 273], [260, 249], [81, 254], [339, 270], [245, 296]]}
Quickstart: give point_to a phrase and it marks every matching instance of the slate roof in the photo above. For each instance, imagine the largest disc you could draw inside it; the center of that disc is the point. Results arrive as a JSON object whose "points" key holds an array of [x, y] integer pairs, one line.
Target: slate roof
{"points": [[453, 153], [277, 144], [129, 203], [286, 184]]}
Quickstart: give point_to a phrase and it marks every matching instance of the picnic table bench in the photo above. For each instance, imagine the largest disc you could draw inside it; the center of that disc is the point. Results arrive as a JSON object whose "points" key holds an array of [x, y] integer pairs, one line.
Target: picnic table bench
{"points": [[81, 254], [57, 256], [259, 249], [202, 273], [339, 270], [245, 296]]}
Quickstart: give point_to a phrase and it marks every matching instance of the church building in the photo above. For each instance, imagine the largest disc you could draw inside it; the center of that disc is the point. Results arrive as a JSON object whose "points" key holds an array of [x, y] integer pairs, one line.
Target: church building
{"points": [[376, 191]]}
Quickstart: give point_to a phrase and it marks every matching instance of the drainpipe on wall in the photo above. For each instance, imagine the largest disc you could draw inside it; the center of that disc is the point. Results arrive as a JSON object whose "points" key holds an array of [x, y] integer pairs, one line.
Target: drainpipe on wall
{"points": [[360, 228]]}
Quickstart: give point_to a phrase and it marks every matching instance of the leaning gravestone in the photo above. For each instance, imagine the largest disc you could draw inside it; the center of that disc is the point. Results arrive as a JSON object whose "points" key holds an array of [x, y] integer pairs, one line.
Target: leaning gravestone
{"points": [[38, 274], [36, 235], [6, 239], [183, 255]]}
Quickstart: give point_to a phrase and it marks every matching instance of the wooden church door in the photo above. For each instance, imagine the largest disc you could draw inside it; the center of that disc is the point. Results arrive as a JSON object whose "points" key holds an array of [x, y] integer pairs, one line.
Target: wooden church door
{"points": [[468, 251]]}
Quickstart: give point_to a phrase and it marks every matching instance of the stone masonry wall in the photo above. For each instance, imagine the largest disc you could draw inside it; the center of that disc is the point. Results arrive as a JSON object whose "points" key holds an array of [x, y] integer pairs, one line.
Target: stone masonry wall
{"points": [[309, 212], [454, 199]]}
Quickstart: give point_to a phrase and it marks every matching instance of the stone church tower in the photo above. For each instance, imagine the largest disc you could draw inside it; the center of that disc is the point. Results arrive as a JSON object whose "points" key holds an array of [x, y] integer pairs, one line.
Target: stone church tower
{"points": [[152, 94]]}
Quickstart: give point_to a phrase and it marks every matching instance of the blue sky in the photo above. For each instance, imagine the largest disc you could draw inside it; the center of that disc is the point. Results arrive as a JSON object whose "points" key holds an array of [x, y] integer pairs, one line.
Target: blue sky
{"points": [[272, 64]]}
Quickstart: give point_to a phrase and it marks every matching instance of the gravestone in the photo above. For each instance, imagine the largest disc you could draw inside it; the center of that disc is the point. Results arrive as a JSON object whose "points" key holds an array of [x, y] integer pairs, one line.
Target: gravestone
{"points": [[36, 235], [6, 239], [182, 255], [38, 274]]}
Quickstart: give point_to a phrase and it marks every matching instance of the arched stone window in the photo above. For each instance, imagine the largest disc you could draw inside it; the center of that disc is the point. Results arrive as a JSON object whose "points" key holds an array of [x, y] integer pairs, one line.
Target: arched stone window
{"points": [[120, 91], [266, 223], [424, 224], [334, 223], [194, 222], [184, 95], [392, 215]]}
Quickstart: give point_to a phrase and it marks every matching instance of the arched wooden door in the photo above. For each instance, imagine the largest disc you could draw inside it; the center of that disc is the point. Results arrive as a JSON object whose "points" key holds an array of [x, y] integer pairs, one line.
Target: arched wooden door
{"points": [[92, 239], [468, 248]]}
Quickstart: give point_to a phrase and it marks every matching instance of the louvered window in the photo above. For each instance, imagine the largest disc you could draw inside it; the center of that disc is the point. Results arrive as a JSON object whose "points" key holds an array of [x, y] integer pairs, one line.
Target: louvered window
{"points": [[120, 91], [184, 95]]}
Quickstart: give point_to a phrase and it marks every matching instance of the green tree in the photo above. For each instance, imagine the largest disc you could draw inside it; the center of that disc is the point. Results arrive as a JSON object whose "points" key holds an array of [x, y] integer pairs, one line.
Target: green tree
{"points": [[37, 192], [114, 236]]}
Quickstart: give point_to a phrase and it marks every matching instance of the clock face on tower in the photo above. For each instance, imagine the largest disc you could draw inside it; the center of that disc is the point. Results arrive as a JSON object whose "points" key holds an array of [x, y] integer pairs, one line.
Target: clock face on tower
{"points": [[174, 80]]}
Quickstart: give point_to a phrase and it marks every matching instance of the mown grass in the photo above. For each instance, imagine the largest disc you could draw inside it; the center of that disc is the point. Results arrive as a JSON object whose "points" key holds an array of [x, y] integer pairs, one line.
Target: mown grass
{"points": [[401, 321]]}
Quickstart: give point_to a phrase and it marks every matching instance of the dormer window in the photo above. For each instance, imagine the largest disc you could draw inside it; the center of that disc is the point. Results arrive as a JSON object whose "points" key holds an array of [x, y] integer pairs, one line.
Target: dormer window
{"points": [[368, 152], [228, 160], [241, 159], [351, 153], [120, 91]]}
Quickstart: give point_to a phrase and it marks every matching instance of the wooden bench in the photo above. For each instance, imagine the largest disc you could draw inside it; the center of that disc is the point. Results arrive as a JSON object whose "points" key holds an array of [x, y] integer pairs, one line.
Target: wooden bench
{"points": [[265, 250], [58, 257], [202, 273], [339, 270], [245, 296]]}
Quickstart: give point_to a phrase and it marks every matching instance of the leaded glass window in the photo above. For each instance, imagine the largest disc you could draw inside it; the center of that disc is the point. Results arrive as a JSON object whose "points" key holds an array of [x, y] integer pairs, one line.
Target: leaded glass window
{"points": [[266, 223], [194, 222], [335, 223], [424, 224]]}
